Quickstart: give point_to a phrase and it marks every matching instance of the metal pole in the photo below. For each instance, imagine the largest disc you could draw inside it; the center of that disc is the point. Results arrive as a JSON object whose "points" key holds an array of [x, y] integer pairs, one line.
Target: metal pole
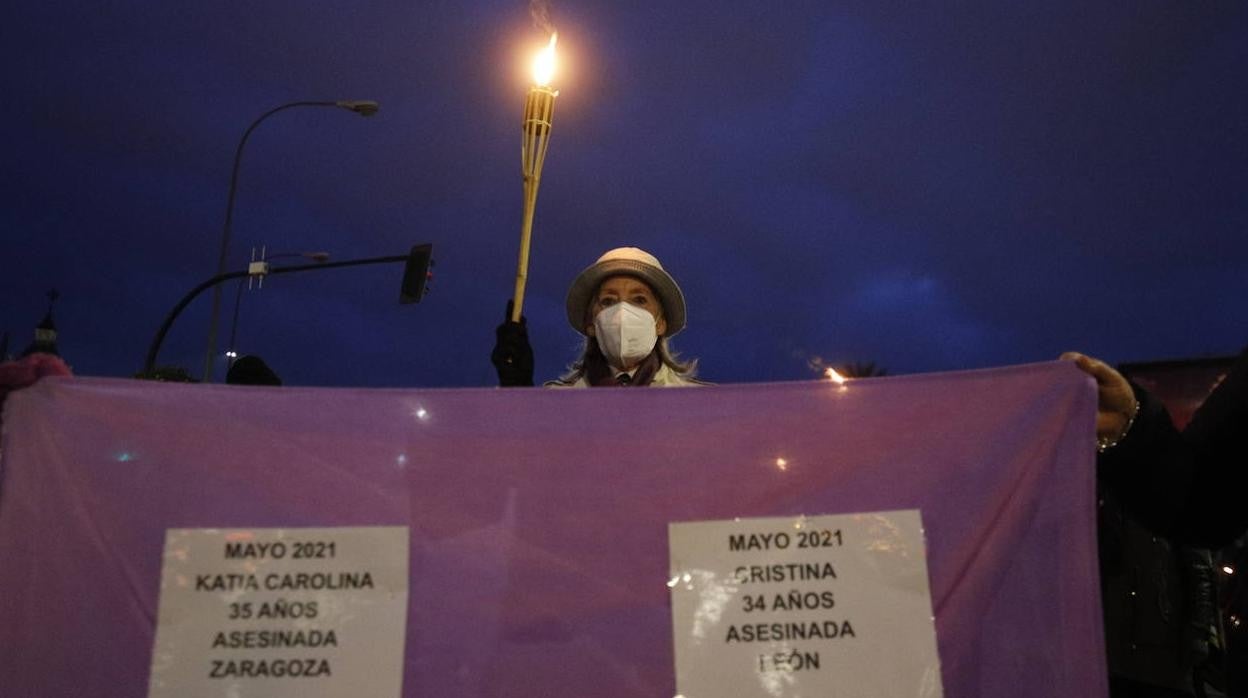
{"points": [[364, 108], [238, 301]]}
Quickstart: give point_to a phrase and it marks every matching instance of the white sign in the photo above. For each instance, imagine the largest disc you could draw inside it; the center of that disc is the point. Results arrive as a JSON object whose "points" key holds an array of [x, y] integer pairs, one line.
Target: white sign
{"points": [[281, 612], [807, 606]]}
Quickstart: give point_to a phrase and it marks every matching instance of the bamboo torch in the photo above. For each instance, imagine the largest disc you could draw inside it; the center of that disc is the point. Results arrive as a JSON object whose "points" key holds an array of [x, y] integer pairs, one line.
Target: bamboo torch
{"points": [[539, 108]]}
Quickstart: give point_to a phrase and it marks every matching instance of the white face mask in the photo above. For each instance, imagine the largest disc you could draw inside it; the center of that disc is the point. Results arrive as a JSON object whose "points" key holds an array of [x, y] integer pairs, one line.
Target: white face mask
{"points": [[626, 334]]}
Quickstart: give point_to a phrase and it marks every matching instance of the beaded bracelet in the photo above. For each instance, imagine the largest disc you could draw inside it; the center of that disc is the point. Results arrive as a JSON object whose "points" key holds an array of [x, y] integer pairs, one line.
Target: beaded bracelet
{"points": [[1103, 444]]}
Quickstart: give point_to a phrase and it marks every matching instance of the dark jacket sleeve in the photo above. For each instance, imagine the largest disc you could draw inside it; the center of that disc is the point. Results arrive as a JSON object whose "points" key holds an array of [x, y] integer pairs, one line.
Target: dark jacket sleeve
{"points": [[1217, 441], [1149, 473]]}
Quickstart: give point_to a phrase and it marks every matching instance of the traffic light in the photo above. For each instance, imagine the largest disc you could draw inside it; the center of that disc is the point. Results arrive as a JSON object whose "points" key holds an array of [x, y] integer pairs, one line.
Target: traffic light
{"points": [[416, 273]]}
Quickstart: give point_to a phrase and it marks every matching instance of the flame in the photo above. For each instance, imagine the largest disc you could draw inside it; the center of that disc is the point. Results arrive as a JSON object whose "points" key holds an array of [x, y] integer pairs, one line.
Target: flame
{"points": [[544, 64], [831, 374]]}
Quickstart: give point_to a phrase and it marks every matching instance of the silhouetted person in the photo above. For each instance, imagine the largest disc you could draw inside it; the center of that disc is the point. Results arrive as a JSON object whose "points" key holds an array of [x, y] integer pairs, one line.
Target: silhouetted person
{"points": [[1164, 498], [251, 370]]}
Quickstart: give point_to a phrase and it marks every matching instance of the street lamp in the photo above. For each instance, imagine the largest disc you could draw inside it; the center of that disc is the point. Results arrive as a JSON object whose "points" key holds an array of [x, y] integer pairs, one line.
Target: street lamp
{"points": [[318, 257], [361, 107]]}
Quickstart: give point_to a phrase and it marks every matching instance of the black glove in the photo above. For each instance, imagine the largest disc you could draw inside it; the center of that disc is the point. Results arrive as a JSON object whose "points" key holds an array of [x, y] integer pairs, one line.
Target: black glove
{"points": [[512, 356]]}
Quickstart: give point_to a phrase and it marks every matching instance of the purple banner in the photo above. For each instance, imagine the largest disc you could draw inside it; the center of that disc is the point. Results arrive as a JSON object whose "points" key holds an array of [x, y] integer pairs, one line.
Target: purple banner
{"points": [[538, 518]]}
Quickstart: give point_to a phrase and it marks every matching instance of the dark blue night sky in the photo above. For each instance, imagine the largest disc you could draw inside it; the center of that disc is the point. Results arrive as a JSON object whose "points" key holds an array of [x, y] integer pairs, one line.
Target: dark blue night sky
{"points": [[929, 186]]}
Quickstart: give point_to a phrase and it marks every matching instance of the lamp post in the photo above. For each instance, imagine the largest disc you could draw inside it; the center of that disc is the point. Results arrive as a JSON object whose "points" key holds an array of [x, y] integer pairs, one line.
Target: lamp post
{"points": [[361, 107], [318, 257]]}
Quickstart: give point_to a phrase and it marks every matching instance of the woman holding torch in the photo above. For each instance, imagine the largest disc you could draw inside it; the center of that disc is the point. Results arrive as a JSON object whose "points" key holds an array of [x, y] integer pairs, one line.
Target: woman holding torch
{"points": [[625, 304]]}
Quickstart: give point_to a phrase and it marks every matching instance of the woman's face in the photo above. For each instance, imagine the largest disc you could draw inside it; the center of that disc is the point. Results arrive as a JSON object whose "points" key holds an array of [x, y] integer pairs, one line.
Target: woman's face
{"points": [[626, 288]]}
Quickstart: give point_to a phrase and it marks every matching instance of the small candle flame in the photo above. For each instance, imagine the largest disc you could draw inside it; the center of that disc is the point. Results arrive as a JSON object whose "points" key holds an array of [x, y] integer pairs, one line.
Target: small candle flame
{"points": [[544, 64], [831, 374]]}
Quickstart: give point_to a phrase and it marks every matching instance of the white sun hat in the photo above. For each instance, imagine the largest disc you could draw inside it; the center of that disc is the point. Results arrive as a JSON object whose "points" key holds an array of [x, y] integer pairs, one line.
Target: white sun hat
{"points": [[627, 261]]}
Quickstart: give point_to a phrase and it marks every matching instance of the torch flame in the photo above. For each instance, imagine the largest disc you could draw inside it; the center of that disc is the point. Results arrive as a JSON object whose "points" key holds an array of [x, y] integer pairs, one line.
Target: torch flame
{"points": [[831, 374], [544, 64]]}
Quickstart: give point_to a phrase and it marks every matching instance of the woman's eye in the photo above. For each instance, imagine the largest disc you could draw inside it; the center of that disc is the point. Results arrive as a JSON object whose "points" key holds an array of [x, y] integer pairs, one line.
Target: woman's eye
{"points": [[639, 300], [604, 302]]}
